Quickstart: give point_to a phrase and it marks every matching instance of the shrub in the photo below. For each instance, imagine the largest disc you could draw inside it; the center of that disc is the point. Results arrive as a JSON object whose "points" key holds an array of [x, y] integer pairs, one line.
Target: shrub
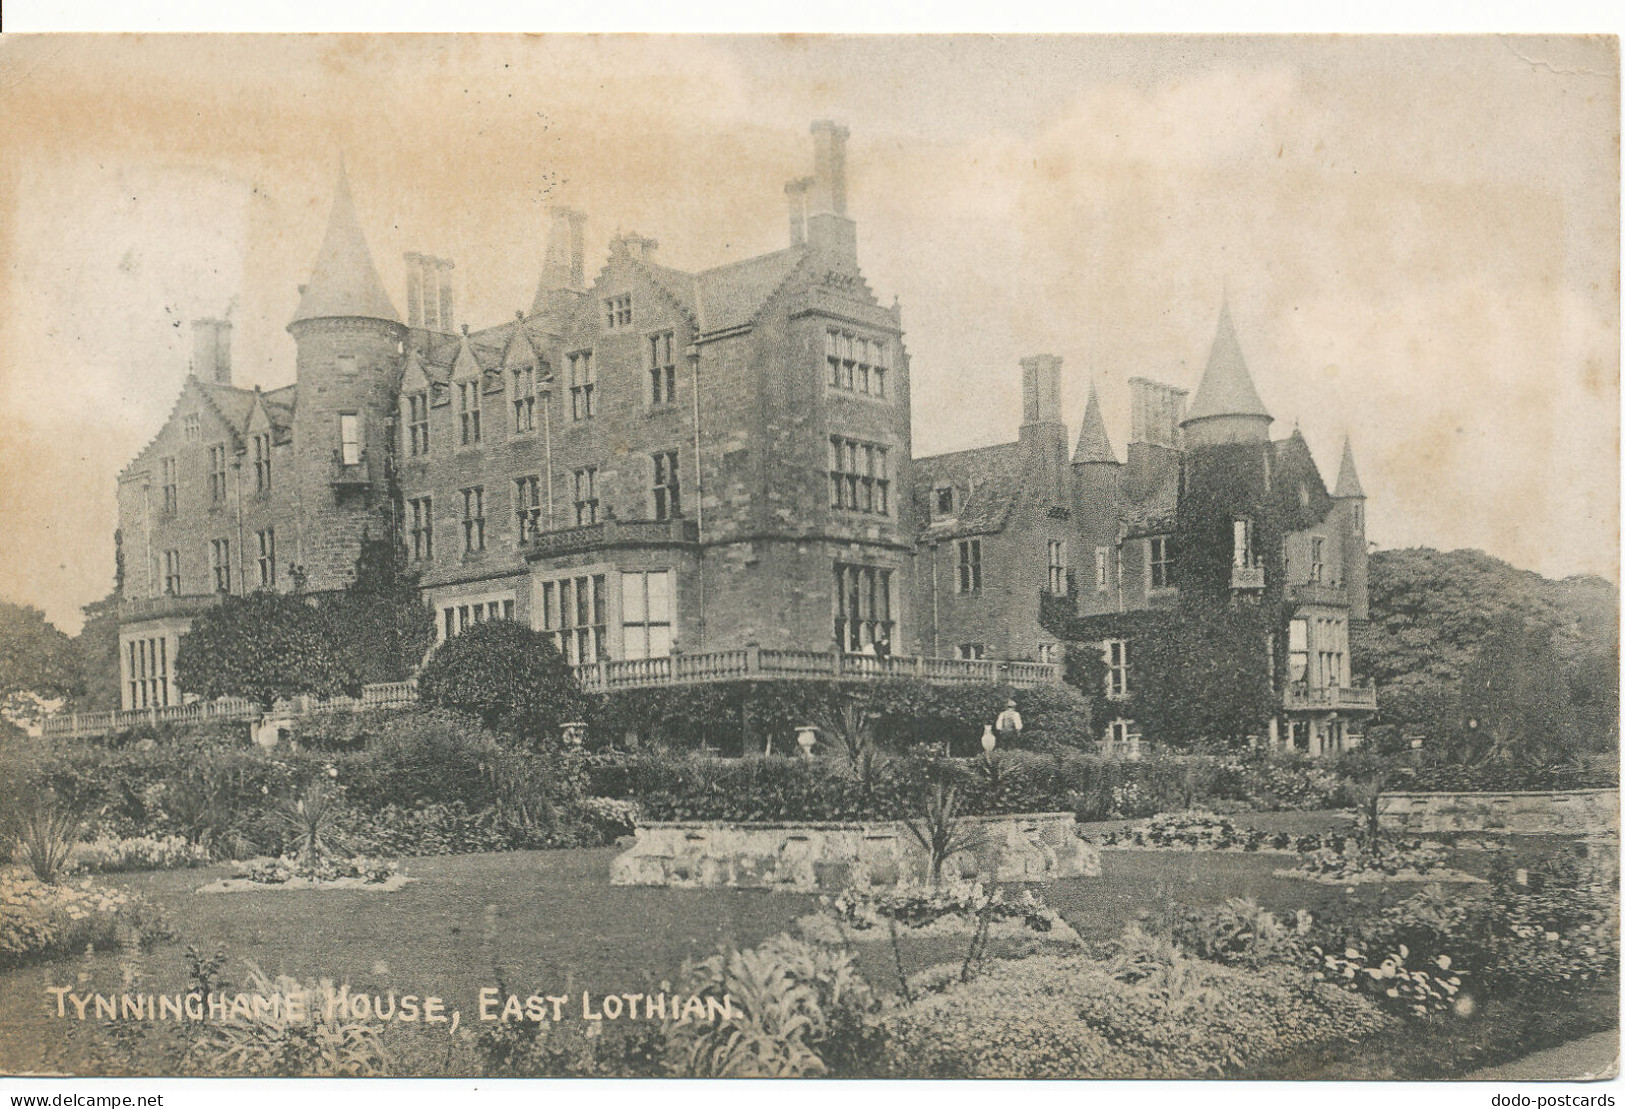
{"points": [[46, 835], [1243, 933], [612, 818], [42, 921], [507, 675], [326, 1043], [263, 646], [1069, 1016], [799, 1009]]}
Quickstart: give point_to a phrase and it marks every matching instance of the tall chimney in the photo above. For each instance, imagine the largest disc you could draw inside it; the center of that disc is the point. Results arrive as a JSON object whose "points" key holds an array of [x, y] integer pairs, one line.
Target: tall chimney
{"points": [[829, 168], [795, 193], [1042, 442], [428, 291], [562, 266], [830, 234], [1041, 389], [1158, 411], [414, 289], [211, 350], [442, 270]]}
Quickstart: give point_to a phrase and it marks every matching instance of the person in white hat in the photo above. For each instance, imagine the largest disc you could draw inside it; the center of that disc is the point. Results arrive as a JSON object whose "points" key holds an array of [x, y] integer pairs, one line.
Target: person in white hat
{"points": [[1009, 722]]}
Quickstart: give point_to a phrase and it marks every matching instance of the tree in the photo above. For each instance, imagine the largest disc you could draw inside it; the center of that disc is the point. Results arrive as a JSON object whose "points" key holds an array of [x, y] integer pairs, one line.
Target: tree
{"points": [[386, 626], [263, 646], [35, 655], [1434, 612], [97, 644], [510, 676], [1515, 702]]}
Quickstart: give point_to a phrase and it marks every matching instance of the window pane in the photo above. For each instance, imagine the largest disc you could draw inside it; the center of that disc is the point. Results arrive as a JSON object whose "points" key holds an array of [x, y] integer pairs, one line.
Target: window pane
{"points": [[659, 640], [635, 642], [633, 609], [660, 596]]}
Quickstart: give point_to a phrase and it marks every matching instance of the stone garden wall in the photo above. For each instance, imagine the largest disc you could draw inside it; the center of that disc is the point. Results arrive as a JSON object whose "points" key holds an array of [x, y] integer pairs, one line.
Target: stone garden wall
{"points": [[1033, 847], [1579, 812]]}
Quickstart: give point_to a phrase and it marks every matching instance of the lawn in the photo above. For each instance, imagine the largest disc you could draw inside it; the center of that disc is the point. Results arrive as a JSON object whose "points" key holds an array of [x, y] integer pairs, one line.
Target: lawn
{"points": [[550, 922]]}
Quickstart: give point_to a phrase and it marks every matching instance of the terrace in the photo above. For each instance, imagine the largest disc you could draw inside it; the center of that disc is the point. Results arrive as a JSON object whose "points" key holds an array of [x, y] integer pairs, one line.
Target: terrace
{"points": [[745, 663]]}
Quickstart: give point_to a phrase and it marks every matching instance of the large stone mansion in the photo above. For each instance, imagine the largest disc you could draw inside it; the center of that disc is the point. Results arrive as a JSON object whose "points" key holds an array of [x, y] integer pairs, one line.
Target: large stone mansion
{"points": [[678, 466]]}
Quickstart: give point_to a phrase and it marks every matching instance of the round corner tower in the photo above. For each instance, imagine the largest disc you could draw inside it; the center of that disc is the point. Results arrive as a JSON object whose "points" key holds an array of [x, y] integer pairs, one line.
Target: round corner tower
{"points": [[349, 340]]}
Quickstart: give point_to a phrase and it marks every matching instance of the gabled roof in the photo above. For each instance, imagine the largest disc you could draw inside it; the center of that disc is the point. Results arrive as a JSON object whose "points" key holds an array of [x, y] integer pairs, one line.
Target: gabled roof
{"points": [[233, 405], [1348, 479], [1154, 510], [1227, 388], [732, 295], [1093, 443], [986, 481], [344, 281], [475, 359]]}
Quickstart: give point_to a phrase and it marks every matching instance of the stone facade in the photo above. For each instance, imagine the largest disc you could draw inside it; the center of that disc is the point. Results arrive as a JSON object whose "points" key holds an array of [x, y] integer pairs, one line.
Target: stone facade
{"points": [[649, 462], [1005, 524]]}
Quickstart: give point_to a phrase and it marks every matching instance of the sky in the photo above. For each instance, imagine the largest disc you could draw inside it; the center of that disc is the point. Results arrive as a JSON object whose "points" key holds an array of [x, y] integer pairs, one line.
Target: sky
{"points": [[1418, 237]]}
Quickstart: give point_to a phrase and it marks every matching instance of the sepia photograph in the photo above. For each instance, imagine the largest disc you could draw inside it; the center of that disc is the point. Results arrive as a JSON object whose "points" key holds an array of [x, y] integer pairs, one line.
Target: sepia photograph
{"points": [[810, 556]]}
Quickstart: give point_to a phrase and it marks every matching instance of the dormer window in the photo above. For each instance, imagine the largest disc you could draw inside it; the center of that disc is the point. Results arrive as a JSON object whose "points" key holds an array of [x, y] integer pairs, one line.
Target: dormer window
{"points": [[618, 312], [262, 463], [191, 426], [417, 423], [468, 410], [944, 505], [524, 398]]}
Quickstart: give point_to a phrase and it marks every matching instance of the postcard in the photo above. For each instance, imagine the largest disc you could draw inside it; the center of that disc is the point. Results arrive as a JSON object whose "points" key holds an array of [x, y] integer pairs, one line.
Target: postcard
{"points": [[885, 557]]}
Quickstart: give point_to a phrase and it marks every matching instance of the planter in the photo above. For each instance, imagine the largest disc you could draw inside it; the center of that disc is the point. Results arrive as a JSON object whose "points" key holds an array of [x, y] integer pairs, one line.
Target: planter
{"points": [[1028, 847]]}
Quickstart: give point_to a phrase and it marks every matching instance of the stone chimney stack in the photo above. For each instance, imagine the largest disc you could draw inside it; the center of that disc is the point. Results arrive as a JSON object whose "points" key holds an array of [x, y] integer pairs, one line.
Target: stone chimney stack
{"points": [[828, 193], [211, 351], [795, 193], [428, 292], [1041, 389], [1043, 435], [830, 233], [564, 266], [638, 246], [1158, 411]]}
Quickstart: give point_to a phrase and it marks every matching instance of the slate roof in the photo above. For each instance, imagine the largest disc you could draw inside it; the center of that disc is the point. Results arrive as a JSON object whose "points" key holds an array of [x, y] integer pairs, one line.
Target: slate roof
{"points": [[731, 295], [1227, 388], [985, 481], [1153, 511], [1093, 443], [1348, 478], [344, 281]]}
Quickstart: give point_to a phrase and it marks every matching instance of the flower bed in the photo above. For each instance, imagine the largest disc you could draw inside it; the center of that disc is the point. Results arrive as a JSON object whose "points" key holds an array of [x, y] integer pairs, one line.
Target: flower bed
{"points": [[115, 854], [1200, 830], [1066, 1016], [41, 921], [957, 909], [323, 872], [1409, 861]]}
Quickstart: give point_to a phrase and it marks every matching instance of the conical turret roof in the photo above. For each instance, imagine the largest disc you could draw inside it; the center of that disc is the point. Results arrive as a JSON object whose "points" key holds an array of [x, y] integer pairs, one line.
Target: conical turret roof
{"points": [[1348, 479], [344, 281], [1226, 388], [1093, 443]]}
